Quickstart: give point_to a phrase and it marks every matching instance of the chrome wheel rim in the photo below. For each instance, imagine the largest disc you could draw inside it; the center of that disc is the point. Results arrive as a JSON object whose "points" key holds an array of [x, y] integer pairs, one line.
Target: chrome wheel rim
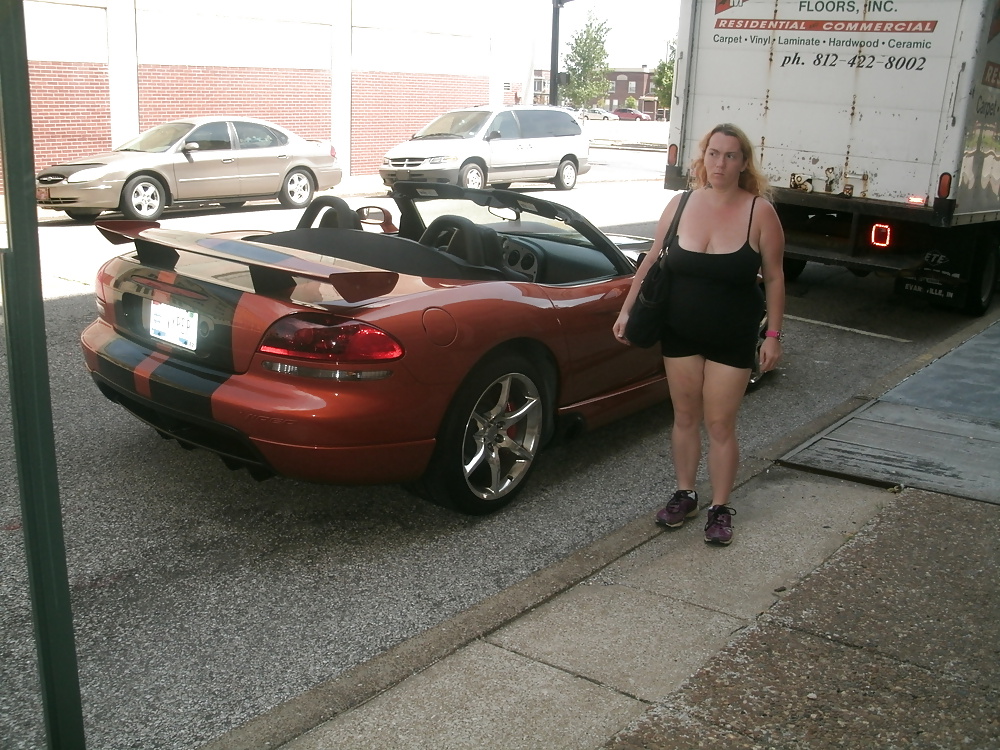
{"points": [[298, 188], [145, 199], [474, 179], [502, 436]]}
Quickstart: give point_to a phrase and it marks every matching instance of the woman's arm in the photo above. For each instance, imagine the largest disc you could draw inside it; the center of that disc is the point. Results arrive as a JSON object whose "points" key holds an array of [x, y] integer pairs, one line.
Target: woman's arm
{"points": [[772, 252]]}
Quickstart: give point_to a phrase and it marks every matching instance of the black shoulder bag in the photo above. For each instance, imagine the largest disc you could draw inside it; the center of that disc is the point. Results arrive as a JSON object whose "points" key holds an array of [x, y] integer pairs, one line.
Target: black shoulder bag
{"points": [[648, 316]]}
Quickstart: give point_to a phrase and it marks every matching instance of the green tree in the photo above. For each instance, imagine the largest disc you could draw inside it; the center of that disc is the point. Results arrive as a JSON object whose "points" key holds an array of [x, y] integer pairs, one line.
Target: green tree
{"points": [[663, 78], [587, 65]]}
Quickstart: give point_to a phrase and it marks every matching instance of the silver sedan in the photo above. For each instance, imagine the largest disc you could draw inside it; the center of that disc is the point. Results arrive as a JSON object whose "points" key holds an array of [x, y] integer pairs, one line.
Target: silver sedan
{"points": [[189, 162]]}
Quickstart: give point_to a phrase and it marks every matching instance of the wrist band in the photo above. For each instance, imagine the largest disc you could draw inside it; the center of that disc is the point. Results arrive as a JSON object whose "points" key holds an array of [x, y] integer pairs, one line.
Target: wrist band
{"points": [[774, 335]]}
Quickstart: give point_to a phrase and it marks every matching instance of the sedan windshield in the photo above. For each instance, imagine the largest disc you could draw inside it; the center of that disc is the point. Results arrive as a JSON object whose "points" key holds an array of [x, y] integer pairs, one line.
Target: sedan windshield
{"points": [[454, 125], [159, 139]]}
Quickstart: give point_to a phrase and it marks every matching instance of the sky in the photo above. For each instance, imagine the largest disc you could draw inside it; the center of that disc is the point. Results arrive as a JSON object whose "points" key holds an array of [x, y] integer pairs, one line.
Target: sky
{"points": [[639, 30]]}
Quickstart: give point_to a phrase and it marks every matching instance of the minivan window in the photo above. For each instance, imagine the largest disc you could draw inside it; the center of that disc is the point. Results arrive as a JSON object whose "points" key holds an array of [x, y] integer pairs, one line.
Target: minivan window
{"points": [[545, 123], [463, 124], [506, 125]]}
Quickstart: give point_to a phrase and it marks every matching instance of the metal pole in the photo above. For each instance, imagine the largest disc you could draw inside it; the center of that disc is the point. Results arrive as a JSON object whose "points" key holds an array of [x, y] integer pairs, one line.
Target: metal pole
{"points": [[30, 399], [554, 61]]}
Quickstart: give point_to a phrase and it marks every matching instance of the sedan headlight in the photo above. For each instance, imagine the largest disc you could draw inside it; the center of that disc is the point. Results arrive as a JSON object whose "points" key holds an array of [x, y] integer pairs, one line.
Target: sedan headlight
{"points": [[443, 160], [87, 175]]}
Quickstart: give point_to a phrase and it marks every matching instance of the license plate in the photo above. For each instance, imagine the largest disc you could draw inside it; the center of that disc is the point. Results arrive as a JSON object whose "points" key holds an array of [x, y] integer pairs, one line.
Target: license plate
{"points": [[41, 194], [173, 325]]}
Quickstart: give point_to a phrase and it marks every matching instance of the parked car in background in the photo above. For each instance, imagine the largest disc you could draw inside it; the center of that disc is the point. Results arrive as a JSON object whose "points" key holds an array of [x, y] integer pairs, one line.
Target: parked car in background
{"points": [[444, 356], [482, 146], [627, 113], [596, 113], [200, 160]]}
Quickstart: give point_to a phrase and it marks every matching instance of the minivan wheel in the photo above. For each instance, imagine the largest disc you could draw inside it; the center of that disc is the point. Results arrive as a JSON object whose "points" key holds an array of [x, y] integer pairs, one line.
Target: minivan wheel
{"points": [[472, 176], [566, 175]]}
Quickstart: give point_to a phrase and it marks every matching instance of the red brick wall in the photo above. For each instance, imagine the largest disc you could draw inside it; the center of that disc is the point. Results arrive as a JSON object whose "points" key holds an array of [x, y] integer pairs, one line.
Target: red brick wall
{"points": [[297, 99], [70, 114], [390, 107], [71, 111]]}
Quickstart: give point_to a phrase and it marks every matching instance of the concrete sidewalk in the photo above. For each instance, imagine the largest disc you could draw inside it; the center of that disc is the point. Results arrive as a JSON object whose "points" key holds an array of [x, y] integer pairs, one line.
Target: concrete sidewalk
{"points": [[845, 614]]}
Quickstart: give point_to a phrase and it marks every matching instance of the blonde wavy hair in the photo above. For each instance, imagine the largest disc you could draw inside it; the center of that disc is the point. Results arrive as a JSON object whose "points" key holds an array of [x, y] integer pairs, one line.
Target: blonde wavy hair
{"points": [[751, 179]]}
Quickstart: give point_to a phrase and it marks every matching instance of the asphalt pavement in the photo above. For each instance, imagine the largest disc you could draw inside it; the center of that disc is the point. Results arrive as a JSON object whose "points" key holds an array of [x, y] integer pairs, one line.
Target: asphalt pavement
{"points": [[846, 613]]}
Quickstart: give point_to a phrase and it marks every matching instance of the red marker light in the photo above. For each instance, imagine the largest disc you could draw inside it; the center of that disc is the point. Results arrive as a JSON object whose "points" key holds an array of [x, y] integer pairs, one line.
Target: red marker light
{"points": [[881, 235]]}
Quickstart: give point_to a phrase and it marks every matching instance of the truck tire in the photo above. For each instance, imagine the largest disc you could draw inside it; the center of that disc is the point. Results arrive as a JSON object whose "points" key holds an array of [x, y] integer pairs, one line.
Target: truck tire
{"points": [[793, 268], [982, 280]]}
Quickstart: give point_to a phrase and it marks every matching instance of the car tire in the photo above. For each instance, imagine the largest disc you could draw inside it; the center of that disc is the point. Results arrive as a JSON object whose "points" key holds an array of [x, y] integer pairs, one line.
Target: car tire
{"points": [[501, 185], [143, 199], [793, 268], [490, 437], [983, 281], [297, 189], [566, 175], [82, 215], [472, 176]]}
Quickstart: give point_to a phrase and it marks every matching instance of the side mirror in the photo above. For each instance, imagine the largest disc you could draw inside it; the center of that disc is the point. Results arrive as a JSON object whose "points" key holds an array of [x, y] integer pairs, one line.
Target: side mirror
{"points": [[190, 146], [377, 216], [494, 135]]}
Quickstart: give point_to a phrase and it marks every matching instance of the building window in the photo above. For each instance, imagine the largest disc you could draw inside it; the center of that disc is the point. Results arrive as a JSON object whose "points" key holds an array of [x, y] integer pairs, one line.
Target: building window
{"points": [[611, 87], [631, 87]]}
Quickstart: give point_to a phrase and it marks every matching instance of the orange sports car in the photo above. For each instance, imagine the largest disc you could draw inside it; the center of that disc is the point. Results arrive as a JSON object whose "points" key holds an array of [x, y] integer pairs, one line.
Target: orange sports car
{"points": [[440, 346]]}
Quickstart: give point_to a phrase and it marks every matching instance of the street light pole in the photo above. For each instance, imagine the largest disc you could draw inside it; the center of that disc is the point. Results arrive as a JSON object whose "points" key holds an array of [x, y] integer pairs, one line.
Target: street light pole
{"points": [[554, 62]]}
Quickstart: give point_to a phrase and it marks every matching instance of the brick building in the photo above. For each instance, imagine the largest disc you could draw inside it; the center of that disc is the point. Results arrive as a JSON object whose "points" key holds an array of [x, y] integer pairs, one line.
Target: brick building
{"points": [[364, 73]]}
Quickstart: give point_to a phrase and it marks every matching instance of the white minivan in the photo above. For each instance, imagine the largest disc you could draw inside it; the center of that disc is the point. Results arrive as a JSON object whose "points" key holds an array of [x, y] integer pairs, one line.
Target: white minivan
{"points": [[482, 146]]}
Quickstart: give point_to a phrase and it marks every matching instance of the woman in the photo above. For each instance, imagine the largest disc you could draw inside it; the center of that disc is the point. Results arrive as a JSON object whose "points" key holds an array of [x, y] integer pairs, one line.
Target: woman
{"points": [[727, 235]]}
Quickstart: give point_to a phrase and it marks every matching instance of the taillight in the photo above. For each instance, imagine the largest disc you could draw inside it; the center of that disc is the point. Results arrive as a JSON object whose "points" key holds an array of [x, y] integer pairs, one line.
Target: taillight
{"points": [[881, 235], [672, 155], [330, 339], [333, 151]]}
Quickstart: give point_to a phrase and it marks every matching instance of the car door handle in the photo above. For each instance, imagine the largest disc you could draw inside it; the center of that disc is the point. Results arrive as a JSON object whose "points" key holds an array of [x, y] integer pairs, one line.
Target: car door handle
{"points": [[228, 161]]}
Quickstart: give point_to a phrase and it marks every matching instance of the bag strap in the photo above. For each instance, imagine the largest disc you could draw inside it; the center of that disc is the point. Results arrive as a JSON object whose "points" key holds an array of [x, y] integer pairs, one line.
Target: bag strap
{"points": [[672, 231]]}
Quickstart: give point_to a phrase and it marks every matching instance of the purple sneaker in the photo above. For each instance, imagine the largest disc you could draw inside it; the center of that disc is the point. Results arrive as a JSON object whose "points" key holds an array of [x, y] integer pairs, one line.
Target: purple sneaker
{"points": [[683, 504], [719, 529]]}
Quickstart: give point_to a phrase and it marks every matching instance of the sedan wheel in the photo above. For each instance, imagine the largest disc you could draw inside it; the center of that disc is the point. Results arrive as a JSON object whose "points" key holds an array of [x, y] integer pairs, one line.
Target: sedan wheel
{"points": [[83, 215], [297, 190], [490, 438], [143, 199]]}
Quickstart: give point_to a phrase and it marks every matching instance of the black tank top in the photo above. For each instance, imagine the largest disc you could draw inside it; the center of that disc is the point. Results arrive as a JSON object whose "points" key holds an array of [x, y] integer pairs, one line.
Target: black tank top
{"points": [[716, 303]]}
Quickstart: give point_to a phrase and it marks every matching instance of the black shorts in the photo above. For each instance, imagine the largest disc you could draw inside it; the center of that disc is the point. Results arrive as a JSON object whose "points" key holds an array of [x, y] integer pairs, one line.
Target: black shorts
{"points": [[740, 352]]}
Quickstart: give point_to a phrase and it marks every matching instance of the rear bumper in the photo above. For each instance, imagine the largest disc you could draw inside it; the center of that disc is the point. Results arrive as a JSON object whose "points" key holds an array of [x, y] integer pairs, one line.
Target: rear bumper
{"points": [[332, 433]]}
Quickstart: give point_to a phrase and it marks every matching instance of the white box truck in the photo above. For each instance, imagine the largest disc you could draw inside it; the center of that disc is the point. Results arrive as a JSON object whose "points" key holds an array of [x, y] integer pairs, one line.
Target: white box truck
{"points": [[876, 122]]}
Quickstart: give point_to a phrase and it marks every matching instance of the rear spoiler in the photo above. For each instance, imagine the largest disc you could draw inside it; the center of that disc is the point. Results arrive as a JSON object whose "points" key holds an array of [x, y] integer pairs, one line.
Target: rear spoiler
{"points": [[273, 270]]}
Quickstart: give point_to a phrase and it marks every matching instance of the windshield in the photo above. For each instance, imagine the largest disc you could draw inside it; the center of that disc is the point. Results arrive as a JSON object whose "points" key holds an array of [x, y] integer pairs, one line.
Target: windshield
{"points": [[506, 220], [159, 139], [464, 124]]}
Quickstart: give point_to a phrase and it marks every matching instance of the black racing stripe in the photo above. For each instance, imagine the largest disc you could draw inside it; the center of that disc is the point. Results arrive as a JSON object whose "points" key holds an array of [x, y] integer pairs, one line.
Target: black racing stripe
{"points": [[117, 362], [185, 387]]}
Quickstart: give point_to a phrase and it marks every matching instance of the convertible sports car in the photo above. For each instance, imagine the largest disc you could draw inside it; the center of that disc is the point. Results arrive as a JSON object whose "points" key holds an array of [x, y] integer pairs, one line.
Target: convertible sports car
{"points": [[443, 355]]}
